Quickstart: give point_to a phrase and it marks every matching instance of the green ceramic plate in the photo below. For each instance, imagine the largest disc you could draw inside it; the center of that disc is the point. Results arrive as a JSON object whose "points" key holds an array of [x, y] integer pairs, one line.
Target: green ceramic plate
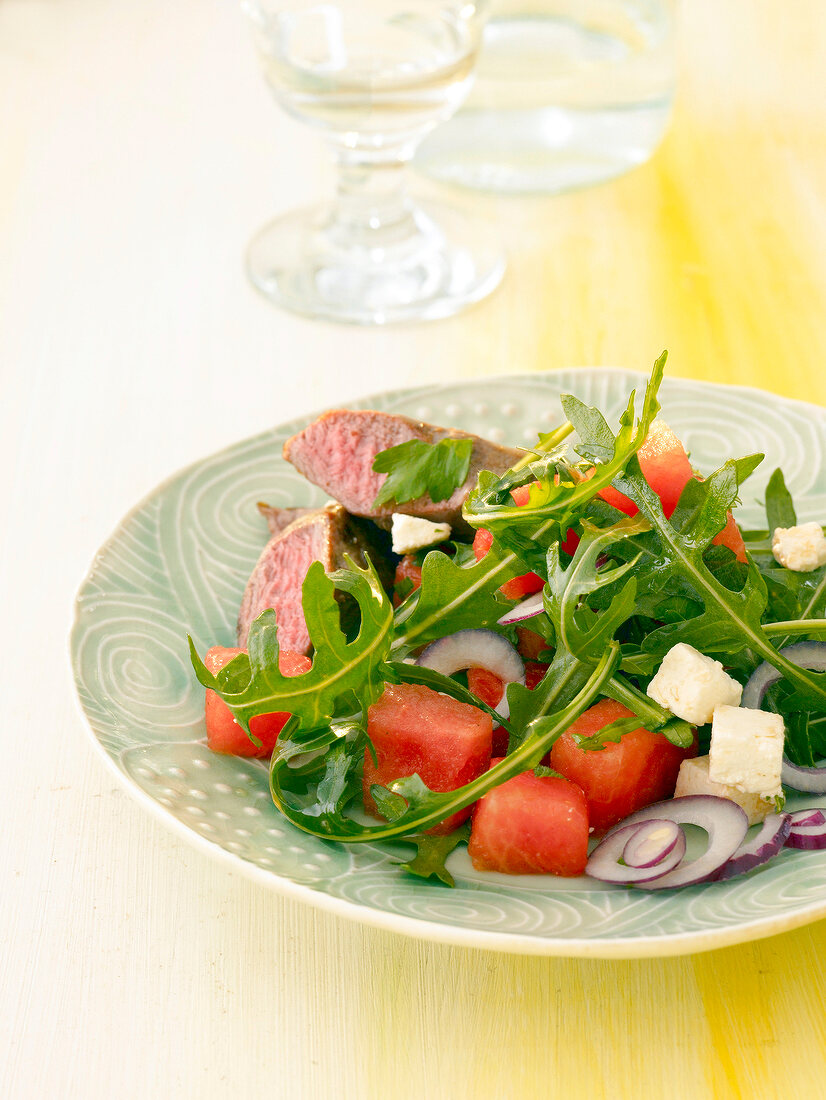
{"points": [[178, 564]]}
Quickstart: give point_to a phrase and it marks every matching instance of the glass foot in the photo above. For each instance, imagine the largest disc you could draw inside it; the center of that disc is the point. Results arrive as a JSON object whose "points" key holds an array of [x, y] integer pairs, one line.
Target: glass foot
{"points": [[436, 263]]}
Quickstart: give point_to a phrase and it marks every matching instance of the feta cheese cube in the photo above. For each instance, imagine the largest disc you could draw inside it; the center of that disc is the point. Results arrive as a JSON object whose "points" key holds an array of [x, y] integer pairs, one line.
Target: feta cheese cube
{"points": [[801, 548], [694, 779], [411, 533], [747, 750], [691, 685]]}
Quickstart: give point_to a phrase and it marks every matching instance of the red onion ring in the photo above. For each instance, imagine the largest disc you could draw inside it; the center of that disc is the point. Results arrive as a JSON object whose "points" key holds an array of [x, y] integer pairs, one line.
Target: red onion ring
{"points": [[724, 821], [815, 816], [603, 863], [651, 842], [529, 608], [809, 655], [806, 830], [760, 849], [476, 649]]}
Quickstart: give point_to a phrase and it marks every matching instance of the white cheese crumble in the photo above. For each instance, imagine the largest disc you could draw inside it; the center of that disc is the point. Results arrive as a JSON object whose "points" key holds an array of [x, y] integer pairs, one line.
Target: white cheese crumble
{"points": [[747, 750], [691, 685], [411, 533], [694, 779], [801, 548]]}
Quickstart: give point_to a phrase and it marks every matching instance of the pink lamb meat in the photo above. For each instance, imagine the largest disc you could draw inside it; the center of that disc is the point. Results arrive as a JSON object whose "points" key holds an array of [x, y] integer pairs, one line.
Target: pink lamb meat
{"points": [[325, 535], [337, 451]]}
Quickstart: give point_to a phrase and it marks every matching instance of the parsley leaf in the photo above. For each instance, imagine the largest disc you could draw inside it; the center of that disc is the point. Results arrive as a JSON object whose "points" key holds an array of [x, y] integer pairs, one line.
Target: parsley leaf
{"points": [[416, 468]]}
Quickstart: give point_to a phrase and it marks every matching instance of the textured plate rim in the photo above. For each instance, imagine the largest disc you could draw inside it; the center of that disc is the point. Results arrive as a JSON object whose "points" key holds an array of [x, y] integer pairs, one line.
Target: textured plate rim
{"points": [[637, 947]]}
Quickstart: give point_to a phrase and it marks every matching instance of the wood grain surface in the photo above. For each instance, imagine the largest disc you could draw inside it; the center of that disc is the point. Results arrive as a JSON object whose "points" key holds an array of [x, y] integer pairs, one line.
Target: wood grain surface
{"points": [[138, 152]]}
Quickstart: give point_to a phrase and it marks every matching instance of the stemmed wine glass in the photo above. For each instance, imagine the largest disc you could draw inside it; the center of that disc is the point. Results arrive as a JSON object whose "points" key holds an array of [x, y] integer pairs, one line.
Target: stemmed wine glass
{"points": [[374, 76]]}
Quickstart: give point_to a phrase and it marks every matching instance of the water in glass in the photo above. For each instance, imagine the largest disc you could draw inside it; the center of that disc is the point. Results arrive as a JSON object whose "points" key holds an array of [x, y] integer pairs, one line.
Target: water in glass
{"points": [[568, 93]]}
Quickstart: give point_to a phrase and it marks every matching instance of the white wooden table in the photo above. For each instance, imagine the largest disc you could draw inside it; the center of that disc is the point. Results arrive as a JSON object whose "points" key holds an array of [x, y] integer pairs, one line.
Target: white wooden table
{"points": [[139, 150]]}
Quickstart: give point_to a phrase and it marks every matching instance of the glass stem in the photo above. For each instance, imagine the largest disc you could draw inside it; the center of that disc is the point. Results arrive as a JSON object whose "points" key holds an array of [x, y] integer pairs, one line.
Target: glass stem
{"points": [[372, 208]]}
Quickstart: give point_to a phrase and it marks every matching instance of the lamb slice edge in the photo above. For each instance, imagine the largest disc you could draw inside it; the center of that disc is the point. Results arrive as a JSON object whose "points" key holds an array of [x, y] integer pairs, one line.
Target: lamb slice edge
{"points": [[337, 450], [327, 535]]}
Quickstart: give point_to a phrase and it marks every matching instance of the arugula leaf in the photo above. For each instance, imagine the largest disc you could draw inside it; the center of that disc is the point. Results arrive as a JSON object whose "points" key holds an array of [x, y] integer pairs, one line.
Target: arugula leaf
{"points": [[416, 468], [432, 851], [345, 677], [585, 632], [730, 622], [797, 601], [452, 597], [564, 678], [649, 714], [557, 503], [582, 631], [322, 768], [340, 781], [610, 734], [596, 440], [547, 443], [779, 504], [389, 805]]}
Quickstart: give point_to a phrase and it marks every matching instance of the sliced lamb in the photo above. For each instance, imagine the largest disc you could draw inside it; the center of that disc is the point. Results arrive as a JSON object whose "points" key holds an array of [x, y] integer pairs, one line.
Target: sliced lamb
{"points": [[279, 518], [325, 535], [337, 451]]}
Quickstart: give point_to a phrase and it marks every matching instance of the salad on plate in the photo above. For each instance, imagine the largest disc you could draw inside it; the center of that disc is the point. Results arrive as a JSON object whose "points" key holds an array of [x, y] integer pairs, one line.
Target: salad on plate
{"points": [[568, 657]]}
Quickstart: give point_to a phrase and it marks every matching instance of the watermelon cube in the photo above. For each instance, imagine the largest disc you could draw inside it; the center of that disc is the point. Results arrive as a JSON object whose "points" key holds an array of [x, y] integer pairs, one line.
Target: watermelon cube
{"points": [[224, 734], [666, 467], [623, 776], [531, 825], [415, 730]]}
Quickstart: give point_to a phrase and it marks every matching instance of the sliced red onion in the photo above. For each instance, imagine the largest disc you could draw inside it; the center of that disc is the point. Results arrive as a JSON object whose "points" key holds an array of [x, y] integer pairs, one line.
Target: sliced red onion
{"points": [[651, 842], [529, 608], [761, 848], [724, 821], [806, 831], [810, 655], [815, 816], [603, 863], [476, 649], [810, 780]]}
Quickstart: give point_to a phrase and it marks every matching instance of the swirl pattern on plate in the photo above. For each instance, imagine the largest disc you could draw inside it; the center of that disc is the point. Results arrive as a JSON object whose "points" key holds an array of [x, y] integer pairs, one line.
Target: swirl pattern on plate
{"points": [[179, 563]]}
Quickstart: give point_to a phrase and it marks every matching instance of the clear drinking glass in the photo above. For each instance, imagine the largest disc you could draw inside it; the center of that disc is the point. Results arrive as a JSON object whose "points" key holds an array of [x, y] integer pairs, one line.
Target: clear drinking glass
{"points": [[568, 93], [374, 76]]}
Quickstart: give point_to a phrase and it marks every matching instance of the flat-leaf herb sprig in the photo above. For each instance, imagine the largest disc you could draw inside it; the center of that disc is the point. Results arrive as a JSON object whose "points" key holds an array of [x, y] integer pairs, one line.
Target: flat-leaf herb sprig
{"points": [[415, 469]]}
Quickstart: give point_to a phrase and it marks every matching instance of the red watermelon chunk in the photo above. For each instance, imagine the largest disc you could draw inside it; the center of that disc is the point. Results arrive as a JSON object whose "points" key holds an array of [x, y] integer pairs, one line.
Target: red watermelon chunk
{"points": [[530, 644], [408, 578], [485, 685], [489, 688], [531, 825], [639, 769], [415, 730], [666, 467], [224, 734], [730, 536]]}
